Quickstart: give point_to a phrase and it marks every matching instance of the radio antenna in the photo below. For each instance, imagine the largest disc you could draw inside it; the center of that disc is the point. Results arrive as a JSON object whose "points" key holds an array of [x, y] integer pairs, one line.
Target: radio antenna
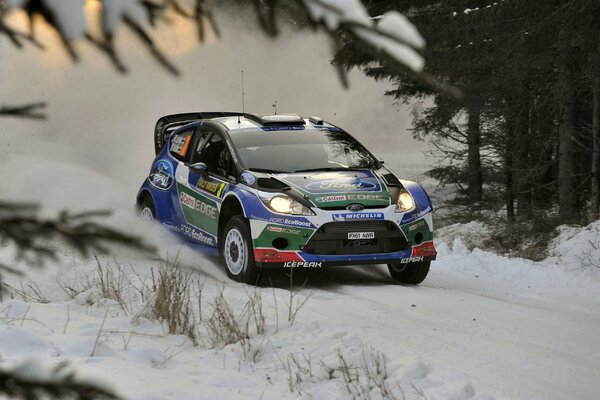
{"points": [[243, 98]]}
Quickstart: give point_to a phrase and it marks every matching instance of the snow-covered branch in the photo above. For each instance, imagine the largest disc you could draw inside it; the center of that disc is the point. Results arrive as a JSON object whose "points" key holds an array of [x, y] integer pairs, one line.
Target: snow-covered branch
{"points": [[390, 37]]}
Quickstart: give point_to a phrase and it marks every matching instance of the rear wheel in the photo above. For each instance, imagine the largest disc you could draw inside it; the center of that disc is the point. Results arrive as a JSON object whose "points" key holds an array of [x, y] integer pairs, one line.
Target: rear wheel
{"points": [[411, 273], [238, 252], [147, 209]]}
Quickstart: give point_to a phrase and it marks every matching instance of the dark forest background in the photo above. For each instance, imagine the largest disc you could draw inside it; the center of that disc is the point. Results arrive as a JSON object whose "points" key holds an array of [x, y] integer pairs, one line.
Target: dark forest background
{"points": [[525, 134]]}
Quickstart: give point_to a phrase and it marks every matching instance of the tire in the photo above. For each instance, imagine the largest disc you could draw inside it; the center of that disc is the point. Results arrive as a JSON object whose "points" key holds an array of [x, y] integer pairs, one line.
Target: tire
{"points": [[410, 274], [147, 209], [238, 251]]}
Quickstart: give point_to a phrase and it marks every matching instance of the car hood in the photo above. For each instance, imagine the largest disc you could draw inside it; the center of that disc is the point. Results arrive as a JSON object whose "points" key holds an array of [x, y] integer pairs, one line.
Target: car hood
{"points": [[338, 189]]}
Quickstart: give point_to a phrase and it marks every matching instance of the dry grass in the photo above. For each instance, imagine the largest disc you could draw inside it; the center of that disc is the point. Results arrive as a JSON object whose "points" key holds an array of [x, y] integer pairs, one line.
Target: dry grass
{"points": [[222, 326], [364, 379], [173, 303]]}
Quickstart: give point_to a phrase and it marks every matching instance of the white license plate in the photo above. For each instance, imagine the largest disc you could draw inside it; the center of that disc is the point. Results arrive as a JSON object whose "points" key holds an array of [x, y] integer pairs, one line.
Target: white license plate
{"points": [[361, 235]]}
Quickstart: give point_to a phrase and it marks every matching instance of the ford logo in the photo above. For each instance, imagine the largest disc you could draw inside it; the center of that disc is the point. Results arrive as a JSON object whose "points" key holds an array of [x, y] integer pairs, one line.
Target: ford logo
{"points": [[355, 207], [337, 186]]}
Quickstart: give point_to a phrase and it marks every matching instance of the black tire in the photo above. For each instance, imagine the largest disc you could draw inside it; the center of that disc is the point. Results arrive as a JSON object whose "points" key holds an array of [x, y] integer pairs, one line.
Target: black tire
{"points": [[238, 251], [147, 209], [410, 274]]}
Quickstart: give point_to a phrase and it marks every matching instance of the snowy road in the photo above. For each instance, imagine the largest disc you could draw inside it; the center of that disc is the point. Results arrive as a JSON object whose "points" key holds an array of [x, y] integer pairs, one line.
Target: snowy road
{"points": [[513, 339], [480, 327]]}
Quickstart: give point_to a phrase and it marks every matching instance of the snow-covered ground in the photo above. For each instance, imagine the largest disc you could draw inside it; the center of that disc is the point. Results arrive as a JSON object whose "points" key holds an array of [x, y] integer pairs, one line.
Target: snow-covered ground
{"points": [[481, 326]]}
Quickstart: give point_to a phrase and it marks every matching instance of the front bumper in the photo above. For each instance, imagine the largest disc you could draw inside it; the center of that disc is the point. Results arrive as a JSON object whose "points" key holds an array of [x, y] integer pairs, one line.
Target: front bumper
{"points": [[273, 258]]}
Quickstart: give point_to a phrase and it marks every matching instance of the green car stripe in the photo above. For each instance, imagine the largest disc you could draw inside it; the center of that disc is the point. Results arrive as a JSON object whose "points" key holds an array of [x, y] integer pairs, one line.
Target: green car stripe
{"points": [[198, 210]]}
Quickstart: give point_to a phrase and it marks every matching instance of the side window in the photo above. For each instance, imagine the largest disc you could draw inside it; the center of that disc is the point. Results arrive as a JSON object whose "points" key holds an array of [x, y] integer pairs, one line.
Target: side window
{"points": [[214, 153], [180, 144]]}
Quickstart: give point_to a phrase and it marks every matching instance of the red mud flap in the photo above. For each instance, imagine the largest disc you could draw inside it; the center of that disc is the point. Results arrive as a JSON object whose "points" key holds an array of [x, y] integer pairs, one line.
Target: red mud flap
{"points": [[274, 256], [426, 249]]}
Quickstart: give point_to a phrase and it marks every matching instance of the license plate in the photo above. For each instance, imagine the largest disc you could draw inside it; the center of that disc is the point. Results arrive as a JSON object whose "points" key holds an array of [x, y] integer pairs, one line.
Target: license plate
{"points": [[361, 235]]}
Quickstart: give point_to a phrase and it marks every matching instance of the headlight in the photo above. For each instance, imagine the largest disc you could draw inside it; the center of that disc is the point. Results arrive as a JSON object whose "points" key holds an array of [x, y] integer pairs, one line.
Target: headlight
{"points": [[286, 205], [405, 202]]}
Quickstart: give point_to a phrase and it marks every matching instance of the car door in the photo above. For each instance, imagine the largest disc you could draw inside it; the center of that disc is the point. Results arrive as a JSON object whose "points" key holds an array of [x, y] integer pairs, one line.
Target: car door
{"points": [[201, 193]]}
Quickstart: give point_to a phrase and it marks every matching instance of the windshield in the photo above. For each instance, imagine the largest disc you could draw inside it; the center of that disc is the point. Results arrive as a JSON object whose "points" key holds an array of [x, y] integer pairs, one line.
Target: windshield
{"points": [[295, 151]]}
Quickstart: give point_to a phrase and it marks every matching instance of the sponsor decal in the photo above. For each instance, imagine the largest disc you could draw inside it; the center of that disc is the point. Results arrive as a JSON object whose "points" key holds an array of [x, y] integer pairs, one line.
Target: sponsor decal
{"points": [[303, 264], [247, 178], [355, 207], [206, 209], [330, 199], [198, 205], [293, 222], [337, 186], [357, 216], [232, 151], [199, 210], [411, 260], [281, 229], [375, 197], [417, 215], [415, 226], [283, 128], [187, 200], [161, 176], [196, 235], [210, 186]]}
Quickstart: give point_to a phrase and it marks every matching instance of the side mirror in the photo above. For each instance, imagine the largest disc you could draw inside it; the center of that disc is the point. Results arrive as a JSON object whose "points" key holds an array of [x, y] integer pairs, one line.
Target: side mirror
{"points": [[381, 161], [199, 168]]}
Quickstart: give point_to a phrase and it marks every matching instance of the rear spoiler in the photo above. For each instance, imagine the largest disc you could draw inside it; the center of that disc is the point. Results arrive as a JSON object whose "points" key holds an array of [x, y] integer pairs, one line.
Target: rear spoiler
{"points": [[169, 123]]}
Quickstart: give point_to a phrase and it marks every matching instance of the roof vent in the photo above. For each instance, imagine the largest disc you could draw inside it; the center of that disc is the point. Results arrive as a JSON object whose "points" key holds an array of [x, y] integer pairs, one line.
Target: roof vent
{"points": [[282, 119], [316, 120]]}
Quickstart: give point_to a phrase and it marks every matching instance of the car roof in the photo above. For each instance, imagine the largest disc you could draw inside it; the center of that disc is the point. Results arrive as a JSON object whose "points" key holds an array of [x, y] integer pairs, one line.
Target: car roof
{"points": [[249, 122], [243, 123]]}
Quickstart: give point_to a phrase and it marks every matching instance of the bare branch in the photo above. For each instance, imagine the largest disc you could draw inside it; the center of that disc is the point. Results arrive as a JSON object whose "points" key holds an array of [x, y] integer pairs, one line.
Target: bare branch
{"points": [[31, 111]]}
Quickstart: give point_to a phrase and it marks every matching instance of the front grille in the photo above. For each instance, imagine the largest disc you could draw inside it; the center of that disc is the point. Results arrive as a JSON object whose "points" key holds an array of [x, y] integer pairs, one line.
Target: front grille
{"points": [[332, 238]]}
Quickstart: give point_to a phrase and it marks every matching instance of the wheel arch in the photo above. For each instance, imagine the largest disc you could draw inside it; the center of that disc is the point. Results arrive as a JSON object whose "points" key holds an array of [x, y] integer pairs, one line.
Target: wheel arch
{"points": [[230, 207], [142, 195]]}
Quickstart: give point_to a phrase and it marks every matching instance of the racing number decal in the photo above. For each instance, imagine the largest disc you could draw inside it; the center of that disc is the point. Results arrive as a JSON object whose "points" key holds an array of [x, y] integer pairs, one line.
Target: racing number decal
{"points": [[212, 186]]}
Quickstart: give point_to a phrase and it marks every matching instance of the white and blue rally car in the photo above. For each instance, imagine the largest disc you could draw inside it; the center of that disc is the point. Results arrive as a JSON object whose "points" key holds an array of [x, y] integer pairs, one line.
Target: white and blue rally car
{"points": [[284, 191]]}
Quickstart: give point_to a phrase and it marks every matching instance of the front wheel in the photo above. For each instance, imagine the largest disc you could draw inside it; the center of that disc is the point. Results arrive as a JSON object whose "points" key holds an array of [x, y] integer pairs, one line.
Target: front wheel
{"points": [[147, 209], [411, 273], [238, 251]]}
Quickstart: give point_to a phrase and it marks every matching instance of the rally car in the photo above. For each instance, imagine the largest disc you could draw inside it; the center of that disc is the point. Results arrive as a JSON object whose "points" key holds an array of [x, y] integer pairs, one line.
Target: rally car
{"points": [[284, 191]]}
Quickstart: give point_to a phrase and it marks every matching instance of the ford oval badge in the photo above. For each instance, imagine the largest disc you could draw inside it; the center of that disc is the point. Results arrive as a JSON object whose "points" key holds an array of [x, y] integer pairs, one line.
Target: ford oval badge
{"points": [[355, 207]]}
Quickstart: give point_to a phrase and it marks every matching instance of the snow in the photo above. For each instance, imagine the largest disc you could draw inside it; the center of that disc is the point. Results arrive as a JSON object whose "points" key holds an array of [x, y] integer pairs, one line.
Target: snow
{"points": [[477, 328], [481, 326], [397, 25], [69, 16], [396, 50], [114, 11], [333, 13]]}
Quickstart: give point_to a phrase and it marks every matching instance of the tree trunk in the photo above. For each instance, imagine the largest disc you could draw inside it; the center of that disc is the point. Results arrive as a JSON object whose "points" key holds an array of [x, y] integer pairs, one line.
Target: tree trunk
{"points": [[474, 175], [595, 189], [509, 170], [522, 175], [566, 131]]}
